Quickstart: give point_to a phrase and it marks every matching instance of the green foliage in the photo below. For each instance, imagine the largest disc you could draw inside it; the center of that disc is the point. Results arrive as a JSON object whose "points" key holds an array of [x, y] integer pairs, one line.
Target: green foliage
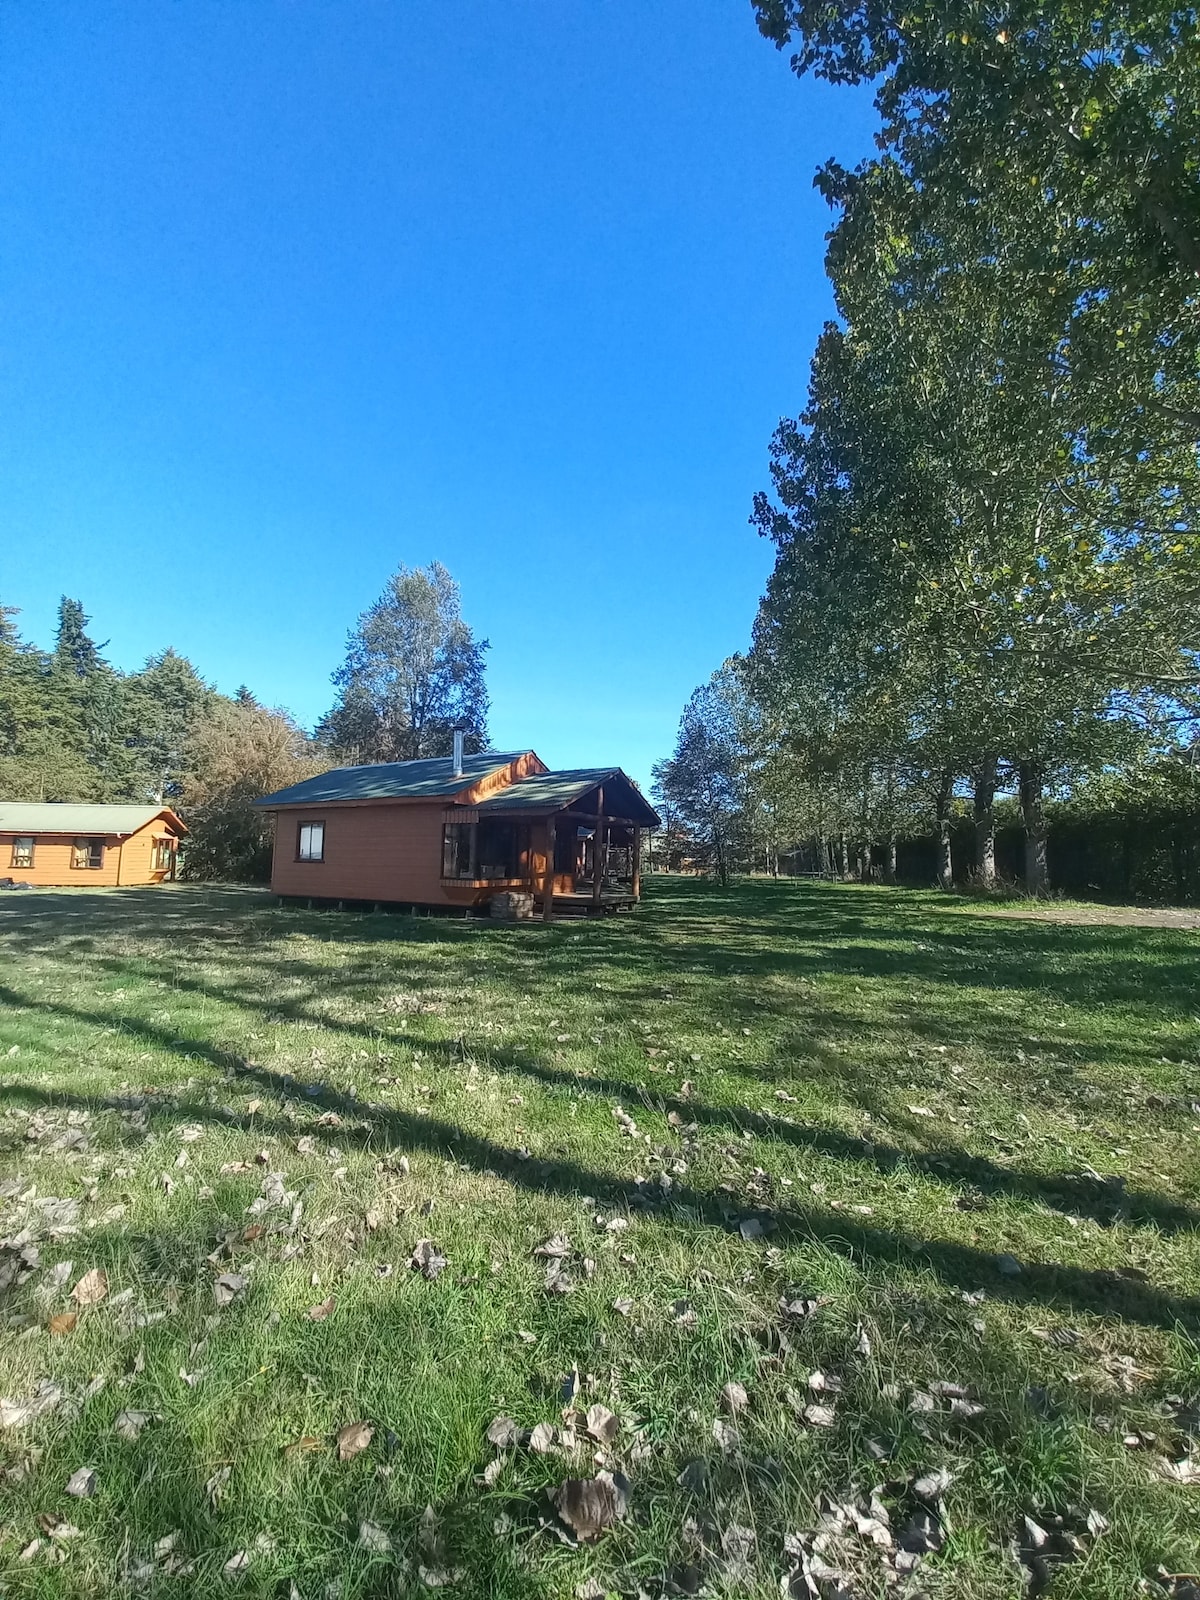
{"points": [[413, 674], [985, 520], [240, 752], [705, 780]]}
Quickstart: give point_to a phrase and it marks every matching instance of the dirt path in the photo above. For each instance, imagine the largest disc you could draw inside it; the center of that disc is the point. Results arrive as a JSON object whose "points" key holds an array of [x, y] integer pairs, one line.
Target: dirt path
{"points": [[1184, 917]]}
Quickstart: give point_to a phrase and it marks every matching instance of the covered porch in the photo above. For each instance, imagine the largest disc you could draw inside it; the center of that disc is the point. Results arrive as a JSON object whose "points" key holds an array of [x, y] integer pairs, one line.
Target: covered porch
{"points": [[571, 840]]}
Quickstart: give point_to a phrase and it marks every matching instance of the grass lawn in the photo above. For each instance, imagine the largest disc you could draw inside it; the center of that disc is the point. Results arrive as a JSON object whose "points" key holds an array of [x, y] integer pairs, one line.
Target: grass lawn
{"points": [[920, 1178]]}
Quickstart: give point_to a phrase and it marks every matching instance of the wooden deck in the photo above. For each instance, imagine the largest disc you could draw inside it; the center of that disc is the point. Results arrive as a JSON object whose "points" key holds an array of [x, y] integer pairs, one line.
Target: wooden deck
{"points": [[580, 902]]}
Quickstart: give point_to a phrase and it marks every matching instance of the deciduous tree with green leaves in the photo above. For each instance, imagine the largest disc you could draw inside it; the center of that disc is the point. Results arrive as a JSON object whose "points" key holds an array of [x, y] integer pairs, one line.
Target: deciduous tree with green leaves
{"points": [[413, 674]]}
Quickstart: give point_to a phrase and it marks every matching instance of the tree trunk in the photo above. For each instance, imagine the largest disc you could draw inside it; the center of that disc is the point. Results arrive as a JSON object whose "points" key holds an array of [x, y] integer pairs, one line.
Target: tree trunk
{"points": [[945, 856], [1037, 872], [843, 858], [889, 860], [864, 861], [985, 823]]}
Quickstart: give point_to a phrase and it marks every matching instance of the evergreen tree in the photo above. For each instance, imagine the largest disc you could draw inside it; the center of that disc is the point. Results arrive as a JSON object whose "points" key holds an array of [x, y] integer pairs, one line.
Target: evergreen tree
{"points": [[167, 701]]}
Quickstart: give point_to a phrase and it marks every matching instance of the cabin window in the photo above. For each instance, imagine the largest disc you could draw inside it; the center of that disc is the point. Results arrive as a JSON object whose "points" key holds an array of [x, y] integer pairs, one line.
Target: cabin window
{"points": [[485, 850], [457, 841], [88, 853], [22, 852], [311, 842], [162, 855], [501, 846]]}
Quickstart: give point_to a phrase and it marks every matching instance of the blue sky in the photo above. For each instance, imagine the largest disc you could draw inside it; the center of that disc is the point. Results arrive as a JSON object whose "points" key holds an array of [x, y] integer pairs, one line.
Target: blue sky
{"points": [[291, 293]]}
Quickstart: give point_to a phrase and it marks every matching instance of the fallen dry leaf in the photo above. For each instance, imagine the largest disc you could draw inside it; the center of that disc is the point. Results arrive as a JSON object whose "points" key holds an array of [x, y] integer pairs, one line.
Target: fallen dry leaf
{"points": [[557, 1245], [734, 1398], [602, 1424], [434, 1572], [307, 1443], [228, 1287], [427, 1259], [353, 1439], [129, 1424], [82, 1483], [374, 1538], [91, 1288], [541, 1438], [588, 1506], [321, 1310], [64, 1322], [558, 1281], [503, 1433]]}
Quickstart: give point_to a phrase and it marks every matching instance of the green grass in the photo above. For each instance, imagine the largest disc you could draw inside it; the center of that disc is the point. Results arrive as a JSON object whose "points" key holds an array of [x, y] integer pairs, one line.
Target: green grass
{"points": [[771, 1043]]}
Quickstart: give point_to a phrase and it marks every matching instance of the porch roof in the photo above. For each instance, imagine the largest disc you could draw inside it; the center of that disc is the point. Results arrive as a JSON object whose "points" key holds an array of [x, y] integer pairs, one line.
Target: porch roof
{"points": [[547, 792]]}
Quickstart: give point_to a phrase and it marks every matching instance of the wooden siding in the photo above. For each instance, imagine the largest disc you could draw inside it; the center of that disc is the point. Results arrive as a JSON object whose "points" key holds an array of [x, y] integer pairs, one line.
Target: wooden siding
{"points": [[390, 851], [525, 766], [126, 861], [137, 855], [387, 850]]}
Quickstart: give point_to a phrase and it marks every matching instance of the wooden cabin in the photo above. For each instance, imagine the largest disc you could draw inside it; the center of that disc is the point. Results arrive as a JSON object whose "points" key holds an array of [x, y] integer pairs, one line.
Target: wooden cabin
{"points": [[54, 844], [455, 832]]}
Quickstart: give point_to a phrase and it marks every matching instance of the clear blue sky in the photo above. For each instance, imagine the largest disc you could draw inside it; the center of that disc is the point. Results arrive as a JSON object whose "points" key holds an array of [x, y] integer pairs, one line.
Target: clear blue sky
{"points": [[291, 293]]}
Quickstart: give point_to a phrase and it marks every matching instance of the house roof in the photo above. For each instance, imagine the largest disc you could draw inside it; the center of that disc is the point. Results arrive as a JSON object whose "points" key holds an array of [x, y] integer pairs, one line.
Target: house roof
{"points": [[551, 791], [431, 779], [55, 816]]}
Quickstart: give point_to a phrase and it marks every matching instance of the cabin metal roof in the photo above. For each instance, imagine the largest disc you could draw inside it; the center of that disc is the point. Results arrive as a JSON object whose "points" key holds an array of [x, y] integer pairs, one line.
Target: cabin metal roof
{"points": [[435, 779], [430, 779], [55, 816]]}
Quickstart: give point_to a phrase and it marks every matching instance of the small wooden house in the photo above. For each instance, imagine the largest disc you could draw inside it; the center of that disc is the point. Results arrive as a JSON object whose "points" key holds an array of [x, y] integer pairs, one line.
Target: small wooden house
{"points": [[455, 832], [58, 843]]}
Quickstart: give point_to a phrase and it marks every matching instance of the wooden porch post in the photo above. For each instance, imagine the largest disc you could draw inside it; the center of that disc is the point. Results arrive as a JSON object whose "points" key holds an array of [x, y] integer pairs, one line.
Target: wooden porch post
{"points": [[548, 889], [637, 864], [599, 852]]}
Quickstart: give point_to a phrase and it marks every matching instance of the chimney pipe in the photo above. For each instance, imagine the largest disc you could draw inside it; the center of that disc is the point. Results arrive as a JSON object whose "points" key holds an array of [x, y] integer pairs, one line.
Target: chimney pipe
{"points": [[458, 752]]}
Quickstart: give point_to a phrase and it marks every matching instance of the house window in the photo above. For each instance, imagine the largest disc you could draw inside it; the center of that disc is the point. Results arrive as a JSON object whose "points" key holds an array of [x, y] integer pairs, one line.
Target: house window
{"points": [[502, 847], [311, 842], [88, 853], [485, 850], [457, 841], [22, 852], [162, 855]]}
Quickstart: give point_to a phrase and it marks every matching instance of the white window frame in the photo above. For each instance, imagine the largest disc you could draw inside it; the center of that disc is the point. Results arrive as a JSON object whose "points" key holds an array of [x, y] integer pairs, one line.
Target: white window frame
{"points": [[308, 835]]}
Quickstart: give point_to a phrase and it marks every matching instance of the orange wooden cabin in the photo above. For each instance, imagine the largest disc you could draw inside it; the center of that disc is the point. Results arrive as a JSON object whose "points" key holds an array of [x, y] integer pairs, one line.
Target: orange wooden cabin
{"points": [[455, 832], [57, 843]]}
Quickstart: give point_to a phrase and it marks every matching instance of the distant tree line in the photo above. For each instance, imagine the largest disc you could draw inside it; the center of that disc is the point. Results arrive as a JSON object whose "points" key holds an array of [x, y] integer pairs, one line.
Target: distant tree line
{"points": [[74, 727], [987, 574]]}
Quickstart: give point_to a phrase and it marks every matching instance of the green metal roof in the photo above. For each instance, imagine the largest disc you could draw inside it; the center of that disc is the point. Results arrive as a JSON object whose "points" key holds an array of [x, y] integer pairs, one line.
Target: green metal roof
{"points": [[32, 817], [431, 779], [551, 791]]}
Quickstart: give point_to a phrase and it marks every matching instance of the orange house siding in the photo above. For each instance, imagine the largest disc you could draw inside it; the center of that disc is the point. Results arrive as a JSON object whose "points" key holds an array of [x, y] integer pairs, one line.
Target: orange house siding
{"points": [[126, 861], [387, 850], [381, 850]]}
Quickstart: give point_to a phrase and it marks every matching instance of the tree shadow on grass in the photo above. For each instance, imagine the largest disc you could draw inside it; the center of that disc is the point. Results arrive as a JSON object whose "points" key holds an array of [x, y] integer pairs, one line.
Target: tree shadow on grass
{"points": [[1107, 1202], [385, 1128]]}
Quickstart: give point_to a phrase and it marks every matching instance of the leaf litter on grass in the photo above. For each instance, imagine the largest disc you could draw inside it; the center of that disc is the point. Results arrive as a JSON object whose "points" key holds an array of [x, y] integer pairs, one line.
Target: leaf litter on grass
{"points": [[702, 1299]]}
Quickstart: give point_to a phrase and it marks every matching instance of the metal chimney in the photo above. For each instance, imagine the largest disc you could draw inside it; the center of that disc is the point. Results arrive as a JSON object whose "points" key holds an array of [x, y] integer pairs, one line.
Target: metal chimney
{"points": [[458, 752]]}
